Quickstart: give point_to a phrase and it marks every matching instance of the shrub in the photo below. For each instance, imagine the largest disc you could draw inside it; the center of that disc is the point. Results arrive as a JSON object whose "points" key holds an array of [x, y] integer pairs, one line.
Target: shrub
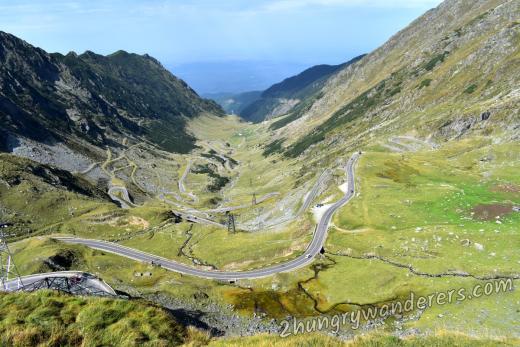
{"points": [[425, 83], [439, 58], [471, 89]]}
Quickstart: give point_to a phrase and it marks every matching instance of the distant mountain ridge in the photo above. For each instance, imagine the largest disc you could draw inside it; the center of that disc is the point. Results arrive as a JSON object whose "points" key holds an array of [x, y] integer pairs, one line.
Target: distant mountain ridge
{"points": [[296, 84], [94, 99], [234, 103], [281, 98]]}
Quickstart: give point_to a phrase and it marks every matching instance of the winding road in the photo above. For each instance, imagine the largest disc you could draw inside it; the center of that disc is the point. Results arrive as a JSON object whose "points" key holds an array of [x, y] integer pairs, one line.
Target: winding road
{"points": [[314, 248], [182, 189], [314, 192], [125, 201], [200, 220], [239, 207]]}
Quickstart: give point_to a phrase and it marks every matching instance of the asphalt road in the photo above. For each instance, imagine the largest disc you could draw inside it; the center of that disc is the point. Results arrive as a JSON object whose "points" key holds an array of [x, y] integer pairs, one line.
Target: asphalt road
{"points": [[183, 177], [196, 219], [314, 248], [182, 189], [239, 207], [125, 202], [314, 191], [87, 281]]}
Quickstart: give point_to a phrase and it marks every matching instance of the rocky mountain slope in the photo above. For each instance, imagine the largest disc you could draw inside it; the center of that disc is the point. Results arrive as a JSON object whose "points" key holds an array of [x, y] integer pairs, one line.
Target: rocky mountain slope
{"points": [[90, 101], [452, 72]]}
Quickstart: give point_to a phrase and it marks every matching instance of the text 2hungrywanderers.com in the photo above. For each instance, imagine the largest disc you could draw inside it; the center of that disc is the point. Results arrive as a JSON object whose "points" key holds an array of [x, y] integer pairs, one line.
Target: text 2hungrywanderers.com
{"points": [[334, 323]]}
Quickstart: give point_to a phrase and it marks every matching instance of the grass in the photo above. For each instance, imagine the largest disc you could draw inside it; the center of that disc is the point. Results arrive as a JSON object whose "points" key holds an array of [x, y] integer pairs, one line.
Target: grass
{"points": [[408, 191], [47, 318], [54, 196], [443, 338], [416, 209], [216, 246], [244, 250]]}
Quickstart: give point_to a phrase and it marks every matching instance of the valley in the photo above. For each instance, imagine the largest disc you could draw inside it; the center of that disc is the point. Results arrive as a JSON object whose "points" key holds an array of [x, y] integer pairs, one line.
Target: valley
{"points": [[344, 188], [440, 186]]}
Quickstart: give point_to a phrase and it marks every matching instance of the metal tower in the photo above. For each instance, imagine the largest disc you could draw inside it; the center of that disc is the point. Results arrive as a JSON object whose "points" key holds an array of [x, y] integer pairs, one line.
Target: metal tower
{"points": [[8, 270], [231, 223]]}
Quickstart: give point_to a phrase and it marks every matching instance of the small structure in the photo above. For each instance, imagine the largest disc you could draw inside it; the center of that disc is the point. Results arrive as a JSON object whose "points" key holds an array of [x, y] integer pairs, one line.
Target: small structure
{"points": [[71, 282]]}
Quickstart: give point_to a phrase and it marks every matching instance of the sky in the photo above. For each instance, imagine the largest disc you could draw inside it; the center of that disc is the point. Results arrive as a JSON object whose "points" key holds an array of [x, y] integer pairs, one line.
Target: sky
{"points": [[298, 32]]}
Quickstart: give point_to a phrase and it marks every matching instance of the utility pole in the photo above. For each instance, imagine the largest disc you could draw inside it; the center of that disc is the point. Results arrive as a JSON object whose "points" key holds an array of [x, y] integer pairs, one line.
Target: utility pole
{"points": [[8, 270], [254, 199]]}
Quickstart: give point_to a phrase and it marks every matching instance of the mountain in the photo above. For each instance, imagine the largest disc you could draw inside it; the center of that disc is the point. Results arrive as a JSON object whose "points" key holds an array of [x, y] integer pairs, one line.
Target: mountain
{"points": [[234, 103], [92, 100], [283, 97], [428, 203], [452, 73]]}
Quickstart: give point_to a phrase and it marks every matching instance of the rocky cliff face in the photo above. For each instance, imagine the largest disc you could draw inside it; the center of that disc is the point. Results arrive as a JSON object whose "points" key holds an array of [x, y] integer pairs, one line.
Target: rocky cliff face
{"points": [[454, 71], [93, 100]]}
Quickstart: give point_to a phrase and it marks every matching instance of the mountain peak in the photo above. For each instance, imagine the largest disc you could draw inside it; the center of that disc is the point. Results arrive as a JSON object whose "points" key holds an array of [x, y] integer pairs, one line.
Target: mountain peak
{"points": [[95, 98]]}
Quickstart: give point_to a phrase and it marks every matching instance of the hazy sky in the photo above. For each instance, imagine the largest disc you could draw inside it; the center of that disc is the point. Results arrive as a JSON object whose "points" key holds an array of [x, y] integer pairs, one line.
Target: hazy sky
{"points": [[177, 32]]}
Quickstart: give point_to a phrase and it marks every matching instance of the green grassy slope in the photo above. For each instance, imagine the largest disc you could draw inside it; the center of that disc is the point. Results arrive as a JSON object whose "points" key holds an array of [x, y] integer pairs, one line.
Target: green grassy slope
{"points": [[444, 339], [49, 319], [35, 196]]}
